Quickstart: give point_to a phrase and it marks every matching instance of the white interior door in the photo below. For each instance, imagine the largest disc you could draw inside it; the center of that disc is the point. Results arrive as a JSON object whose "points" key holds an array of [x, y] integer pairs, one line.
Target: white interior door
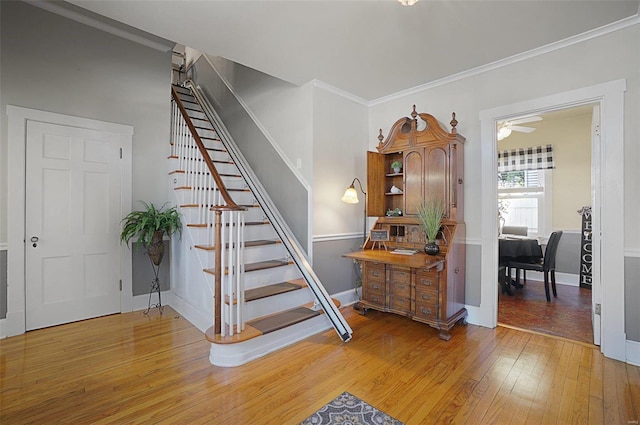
{"points": [[73, 196], [596, 281]]}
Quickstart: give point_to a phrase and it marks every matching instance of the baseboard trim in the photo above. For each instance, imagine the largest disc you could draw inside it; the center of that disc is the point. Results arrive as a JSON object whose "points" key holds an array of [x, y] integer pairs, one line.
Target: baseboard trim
{"points": [[633, 353]]}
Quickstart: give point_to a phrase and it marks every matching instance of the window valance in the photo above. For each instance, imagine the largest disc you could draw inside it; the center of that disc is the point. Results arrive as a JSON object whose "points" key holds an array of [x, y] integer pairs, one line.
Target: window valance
{"points": [[532, 158]]}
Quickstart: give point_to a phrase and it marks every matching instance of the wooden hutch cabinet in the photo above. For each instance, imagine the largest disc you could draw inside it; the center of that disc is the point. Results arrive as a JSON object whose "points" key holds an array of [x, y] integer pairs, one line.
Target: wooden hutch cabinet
{"points": [[429, 289]]}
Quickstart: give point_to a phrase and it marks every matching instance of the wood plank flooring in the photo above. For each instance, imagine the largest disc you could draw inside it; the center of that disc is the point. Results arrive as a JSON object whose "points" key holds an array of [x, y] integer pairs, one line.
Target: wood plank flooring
{"points": [[568, 315], [132, 368]]}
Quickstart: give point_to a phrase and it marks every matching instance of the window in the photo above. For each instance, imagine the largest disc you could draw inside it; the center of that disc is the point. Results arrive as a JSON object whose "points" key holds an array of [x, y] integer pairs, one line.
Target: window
{"points": [[524, 199]]}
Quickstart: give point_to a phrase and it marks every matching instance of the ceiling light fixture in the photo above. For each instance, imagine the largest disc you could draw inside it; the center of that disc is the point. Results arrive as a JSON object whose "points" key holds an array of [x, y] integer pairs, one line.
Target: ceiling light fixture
{"points": [[503, 132], [408, 2]]}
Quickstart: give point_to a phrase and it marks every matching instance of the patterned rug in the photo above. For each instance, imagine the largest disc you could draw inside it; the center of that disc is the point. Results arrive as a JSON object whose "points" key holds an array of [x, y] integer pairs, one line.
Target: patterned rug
{"points": [[347, 409]]}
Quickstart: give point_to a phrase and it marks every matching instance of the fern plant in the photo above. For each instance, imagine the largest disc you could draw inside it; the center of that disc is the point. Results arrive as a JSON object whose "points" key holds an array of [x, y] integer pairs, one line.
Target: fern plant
{"points": [[144, 224]]}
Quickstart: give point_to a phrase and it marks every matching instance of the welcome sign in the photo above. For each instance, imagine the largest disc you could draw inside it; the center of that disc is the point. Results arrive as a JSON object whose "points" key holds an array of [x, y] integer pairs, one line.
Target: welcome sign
{"points": [[586, 249]]}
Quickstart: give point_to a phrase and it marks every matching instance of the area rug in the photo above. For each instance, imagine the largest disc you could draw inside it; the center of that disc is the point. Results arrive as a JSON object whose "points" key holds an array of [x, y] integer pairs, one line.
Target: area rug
{"points": [[347, 409]]}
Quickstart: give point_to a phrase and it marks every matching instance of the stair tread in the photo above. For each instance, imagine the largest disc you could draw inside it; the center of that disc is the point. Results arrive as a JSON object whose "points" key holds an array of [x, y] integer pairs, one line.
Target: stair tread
{"points": [[273, 289], [282, 320], [260, 265], [264, 325], [247, 244]]}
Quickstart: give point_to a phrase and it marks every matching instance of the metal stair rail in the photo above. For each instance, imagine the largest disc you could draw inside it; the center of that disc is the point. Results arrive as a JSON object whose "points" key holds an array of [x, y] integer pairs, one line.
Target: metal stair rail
{"points": [[223, 218], [283, 231]]}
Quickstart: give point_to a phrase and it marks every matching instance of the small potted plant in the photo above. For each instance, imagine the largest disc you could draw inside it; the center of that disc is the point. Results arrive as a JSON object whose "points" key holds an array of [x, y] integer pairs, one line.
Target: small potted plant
{"points": [[396, 166], [149, 226], [430, 214]]}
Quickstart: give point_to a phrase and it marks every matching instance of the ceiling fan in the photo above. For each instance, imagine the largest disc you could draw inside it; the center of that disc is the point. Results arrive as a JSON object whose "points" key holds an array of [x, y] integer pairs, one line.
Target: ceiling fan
{"points": [[506, 127]]}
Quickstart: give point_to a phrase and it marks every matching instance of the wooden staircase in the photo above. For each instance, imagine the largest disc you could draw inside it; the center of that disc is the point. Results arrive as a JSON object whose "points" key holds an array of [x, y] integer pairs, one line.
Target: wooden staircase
{"points": [[274, 299]]}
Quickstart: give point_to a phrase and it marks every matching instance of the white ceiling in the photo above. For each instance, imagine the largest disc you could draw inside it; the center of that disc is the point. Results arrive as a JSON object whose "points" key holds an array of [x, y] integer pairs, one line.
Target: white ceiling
{"points": [[370, 49]]}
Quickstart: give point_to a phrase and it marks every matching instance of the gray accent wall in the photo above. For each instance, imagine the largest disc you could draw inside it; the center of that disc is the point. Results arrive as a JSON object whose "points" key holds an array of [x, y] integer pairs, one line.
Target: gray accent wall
{"points": [[336, 272], [143, 273], [3, 284], [472, 274], [632, 295], [282, 185]]}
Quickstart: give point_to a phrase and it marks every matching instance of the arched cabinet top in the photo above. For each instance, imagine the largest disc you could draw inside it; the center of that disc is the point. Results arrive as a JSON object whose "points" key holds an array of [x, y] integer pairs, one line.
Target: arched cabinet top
{"points": [[418, 130]]}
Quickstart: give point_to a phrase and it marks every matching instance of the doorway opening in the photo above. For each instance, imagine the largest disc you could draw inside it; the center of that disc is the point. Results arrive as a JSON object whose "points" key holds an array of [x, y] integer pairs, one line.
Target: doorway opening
{"points": [[607, 244], [540, 199]]}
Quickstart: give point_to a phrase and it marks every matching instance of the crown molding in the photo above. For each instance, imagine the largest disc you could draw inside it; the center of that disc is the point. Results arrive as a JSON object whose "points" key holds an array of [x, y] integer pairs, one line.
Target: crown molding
{"points": [[597, 32], [99, 22], [339, 92]]}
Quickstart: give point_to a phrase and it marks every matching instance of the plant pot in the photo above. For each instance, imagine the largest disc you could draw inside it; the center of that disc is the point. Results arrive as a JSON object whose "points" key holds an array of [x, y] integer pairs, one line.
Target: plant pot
{"points": [[431, 248], [156, 247], [397, 170]]}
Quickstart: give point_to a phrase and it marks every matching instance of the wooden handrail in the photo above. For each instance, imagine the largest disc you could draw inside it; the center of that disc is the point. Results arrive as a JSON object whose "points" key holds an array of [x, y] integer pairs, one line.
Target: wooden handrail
{"points": [[231, 205]]}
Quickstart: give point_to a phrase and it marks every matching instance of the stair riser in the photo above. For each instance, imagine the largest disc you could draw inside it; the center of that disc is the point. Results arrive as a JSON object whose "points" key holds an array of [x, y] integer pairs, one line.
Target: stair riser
{"points": [[207, 133], [219, 156], [251, 233], [259, 278], [251, 254], [277, 303], [180, 180]]}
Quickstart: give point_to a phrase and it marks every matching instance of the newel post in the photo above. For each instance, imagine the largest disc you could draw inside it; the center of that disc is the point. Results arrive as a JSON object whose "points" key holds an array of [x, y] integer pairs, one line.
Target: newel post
{"points": [[219, 270]]}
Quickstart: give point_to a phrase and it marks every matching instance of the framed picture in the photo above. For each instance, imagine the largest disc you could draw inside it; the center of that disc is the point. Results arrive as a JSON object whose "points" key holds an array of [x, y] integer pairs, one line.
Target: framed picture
{"points": [[379, 235]]}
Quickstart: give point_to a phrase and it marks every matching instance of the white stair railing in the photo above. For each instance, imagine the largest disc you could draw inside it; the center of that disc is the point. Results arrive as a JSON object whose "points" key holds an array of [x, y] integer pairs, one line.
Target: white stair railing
{"points": [[223, 219]]}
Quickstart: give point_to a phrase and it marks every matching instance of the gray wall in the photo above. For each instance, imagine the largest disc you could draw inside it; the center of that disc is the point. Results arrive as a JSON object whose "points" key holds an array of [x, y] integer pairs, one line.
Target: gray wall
{"points": [[283, 187], [54, 64], [632, 295], [143, 271], [336, 272], [3, 284]]}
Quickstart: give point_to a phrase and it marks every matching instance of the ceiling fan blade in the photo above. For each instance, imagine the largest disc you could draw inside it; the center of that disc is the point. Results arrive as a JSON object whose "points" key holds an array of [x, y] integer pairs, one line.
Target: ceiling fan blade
{"points": [[533, 118], [522, 129]]}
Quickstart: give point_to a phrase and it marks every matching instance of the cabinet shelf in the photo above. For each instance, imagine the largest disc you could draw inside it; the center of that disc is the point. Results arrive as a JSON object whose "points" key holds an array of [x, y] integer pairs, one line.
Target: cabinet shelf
{"points": [[395, 175], [393, 194]]}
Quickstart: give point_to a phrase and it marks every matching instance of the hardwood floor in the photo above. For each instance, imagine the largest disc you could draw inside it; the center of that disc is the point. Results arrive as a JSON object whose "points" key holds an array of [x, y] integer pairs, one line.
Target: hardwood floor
{"points": [[568, 315], [131, 368]]}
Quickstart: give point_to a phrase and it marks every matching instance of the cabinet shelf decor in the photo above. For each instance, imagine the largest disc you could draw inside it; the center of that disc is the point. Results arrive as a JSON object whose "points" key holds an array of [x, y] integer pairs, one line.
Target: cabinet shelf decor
{"points": [[398, 277]]}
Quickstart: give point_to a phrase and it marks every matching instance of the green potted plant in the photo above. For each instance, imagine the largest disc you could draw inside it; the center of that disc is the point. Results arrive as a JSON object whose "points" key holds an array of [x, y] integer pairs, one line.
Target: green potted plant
{"points": [[396, 166], [149, 226], [430, 214]]}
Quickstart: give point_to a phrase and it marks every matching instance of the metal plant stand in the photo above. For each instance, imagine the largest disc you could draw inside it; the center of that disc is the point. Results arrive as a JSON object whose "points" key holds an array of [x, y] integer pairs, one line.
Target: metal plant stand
{"points": [[155, 287]]}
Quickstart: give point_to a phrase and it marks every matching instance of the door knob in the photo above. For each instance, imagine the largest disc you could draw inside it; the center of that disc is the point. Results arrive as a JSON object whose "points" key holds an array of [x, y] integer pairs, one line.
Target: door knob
{"points": [[34, 240]]}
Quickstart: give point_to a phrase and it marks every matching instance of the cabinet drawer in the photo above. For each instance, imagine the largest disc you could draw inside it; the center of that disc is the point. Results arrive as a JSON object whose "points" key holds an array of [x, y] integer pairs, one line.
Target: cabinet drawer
{"points": [[426, 296], [426, 310], [427, 278], [400, 289], [373, 286], [399, 275], [374, 271], [373, 296], [400, 303]]}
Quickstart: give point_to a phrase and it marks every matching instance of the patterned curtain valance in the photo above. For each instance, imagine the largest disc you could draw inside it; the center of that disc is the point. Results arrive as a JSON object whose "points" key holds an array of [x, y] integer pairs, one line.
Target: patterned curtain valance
{"points": [[533, 158]]}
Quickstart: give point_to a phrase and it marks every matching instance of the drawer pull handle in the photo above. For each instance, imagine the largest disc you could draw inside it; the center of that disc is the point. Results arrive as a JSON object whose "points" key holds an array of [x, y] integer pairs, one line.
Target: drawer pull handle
{"points": [[374, 273], [425, 282], [426, 296], [401, 286], [375, 299], [375, 286], [425, 310]]}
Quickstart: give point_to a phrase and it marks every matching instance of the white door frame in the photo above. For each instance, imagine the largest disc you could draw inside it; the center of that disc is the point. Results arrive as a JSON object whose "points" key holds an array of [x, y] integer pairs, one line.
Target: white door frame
{"points": [[17, 127], [609, 192]]}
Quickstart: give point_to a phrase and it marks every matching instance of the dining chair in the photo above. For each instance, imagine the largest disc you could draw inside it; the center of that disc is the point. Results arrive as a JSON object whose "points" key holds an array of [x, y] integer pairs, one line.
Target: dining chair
{"points": [[515, 230], [518, 231], [547, 264]]}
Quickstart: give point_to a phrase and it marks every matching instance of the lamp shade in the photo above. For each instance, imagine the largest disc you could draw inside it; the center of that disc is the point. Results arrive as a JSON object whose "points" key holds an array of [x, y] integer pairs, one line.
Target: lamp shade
{"points": [[350, 195]]}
